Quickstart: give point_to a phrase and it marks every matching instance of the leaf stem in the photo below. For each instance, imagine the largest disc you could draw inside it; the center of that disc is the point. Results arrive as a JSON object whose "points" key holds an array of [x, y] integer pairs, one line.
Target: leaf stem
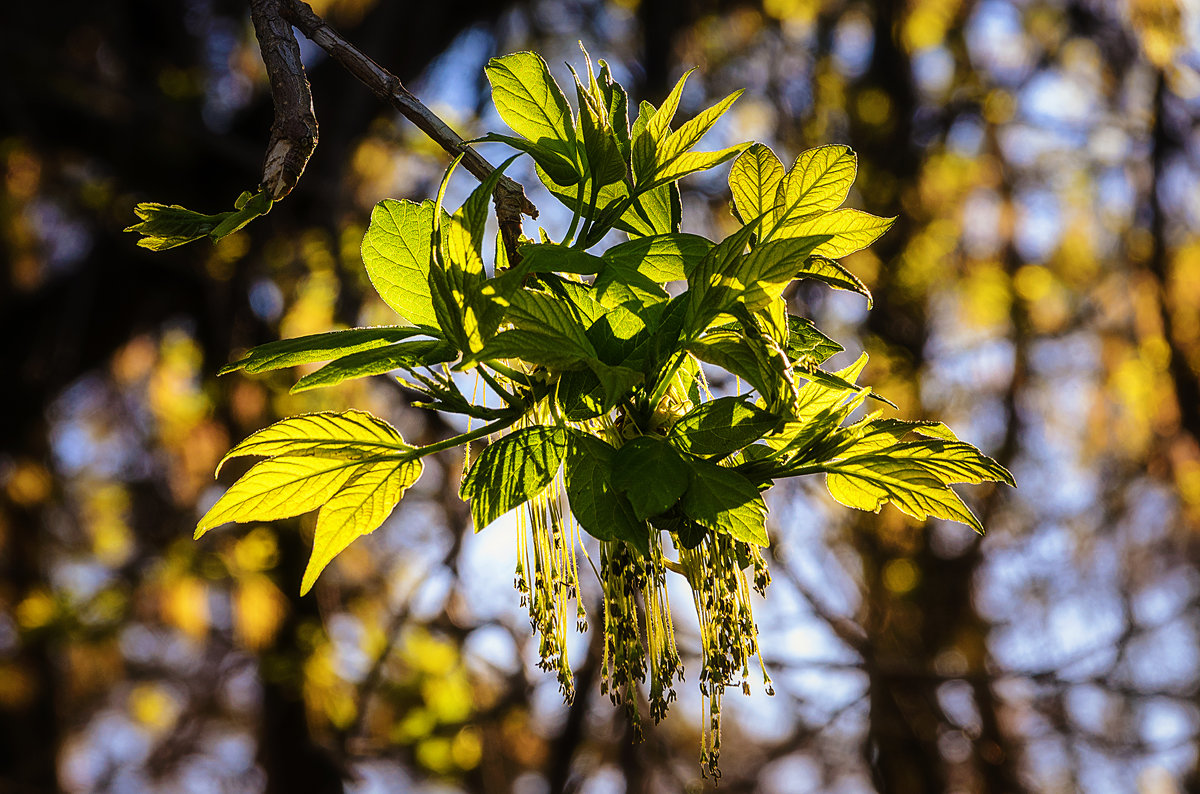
{"points": [[512, 374], [675, 567], [799, 471], [464, 438], [577, 214], [664, 383], [504, 393], [585, 232]]}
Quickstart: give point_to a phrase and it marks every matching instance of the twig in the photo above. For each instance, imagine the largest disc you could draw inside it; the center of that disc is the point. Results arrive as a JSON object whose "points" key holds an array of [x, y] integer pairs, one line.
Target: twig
{"points": [[509, 196], [294, 131]]}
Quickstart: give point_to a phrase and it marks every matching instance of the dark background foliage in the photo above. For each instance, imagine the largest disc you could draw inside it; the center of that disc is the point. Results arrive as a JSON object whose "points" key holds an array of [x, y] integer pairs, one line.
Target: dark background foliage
{"points": [[1041, 292]]}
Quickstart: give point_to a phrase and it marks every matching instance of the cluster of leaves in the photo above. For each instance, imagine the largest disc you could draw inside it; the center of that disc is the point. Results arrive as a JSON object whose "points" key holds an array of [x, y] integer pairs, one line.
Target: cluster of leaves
{"points": [[607, 423], [166, 226]]}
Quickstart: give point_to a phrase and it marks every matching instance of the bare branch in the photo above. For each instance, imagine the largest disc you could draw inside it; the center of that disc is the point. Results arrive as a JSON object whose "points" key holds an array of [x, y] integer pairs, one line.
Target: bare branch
{"points": [[509, 196], [294, 131]]}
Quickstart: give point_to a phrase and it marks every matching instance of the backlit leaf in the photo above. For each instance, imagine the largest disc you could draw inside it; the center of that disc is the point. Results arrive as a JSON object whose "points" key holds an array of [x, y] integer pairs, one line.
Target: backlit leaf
{"points": [[345, 435], [806, 344], [405, 355], [871, 484], [358, 508], [722, 500], [709, 288], [395, 250], [766, 271], [849, 230], [754, 181], [690, 133], [661, 257], [531, 103], [650, 472], [600, 509], [545, 332], [817, 182], [827, 271], [721, 427], [351, 465], [513, 470], [318, 347], [691, 162]]}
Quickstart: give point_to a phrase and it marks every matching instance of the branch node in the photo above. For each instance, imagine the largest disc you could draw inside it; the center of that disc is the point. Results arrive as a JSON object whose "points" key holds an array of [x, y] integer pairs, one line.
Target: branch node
{"points": [[294, 130]]}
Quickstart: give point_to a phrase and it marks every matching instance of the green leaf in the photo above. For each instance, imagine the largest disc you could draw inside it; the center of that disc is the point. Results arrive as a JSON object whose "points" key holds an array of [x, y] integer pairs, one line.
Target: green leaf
{"points": [[806, 344], [949, 461], [166, 226], [869, 482], [651, 129], [600, 508], [830, 380], [352, 466], [605, 163], [818, 182], [560, 168], [532, 105], [378, 361], [767, 270], [545, 332], [456, 276], [462, 235], [554, 258], [247, 207], [827, 271], [759, 360], [754, 181], [661, 257], [878, 434], [849, 231], [346, 435], [709, 289], [722, 500], [395, 250], [650, 472], [721, 427], [513, 470], [690, 163], [876, 467], [358, 508], [656, 211], [690, 133], [281, 487], [619, 285], [816, 396], [317, 347], [818, 437], [617, 332], [616, 381], [583, 299], [617, 104]]}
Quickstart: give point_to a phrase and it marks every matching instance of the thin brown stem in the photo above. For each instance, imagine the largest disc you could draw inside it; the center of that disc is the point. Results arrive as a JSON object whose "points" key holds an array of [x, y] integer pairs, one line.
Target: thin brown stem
{"points": [[509, 196]]}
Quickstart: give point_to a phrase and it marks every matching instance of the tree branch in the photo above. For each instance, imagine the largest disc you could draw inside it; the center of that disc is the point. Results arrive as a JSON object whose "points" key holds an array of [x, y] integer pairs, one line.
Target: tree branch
{"points": [[294, 131], [509, 196]]}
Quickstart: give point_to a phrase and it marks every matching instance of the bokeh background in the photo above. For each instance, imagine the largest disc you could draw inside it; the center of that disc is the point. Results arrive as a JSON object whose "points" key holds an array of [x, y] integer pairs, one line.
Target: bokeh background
{"points": [[1040, 292]]}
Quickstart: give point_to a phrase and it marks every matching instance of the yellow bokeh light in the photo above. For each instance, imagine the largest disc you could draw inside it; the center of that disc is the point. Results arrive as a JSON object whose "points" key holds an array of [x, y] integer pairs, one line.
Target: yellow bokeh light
{"points": [[28, 484], [901, 575], [153, 706]]}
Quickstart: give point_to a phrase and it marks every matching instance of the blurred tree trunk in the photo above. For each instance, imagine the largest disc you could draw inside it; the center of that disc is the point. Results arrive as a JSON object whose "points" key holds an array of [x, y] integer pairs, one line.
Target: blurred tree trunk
{"points": [[912, 625], [29, 728]]}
